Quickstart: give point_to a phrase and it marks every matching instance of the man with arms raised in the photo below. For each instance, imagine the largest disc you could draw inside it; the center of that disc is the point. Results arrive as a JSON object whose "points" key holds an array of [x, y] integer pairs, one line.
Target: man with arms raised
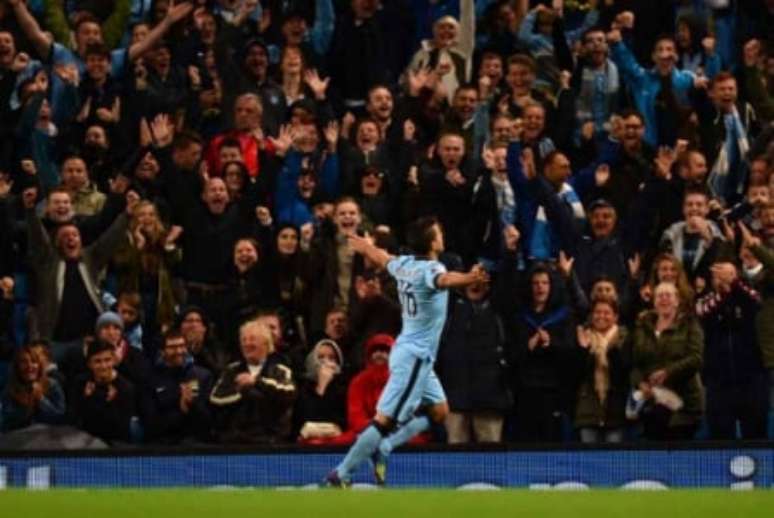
{"points": [[422, 284]]}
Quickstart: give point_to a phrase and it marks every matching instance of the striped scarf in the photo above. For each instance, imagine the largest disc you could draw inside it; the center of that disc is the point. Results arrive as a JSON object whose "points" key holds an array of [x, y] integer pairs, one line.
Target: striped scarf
{"points": [[729, 173], [597, 96]]}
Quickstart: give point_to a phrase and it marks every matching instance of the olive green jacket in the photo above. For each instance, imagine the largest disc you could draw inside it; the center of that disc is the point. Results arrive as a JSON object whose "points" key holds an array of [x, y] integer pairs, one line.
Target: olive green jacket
{"points": [[680, 351]]}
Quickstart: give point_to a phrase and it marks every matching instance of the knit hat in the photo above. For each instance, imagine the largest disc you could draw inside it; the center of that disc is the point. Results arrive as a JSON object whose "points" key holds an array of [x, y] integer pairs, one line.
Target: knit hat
{"points": [[106, 318]]}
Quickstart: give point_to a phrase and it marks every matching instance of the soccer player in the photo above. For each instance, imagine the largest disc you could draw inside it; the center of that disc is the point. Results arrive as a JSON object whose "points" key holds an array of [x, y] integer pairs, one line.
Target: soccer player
{"points": [[422, 285]]}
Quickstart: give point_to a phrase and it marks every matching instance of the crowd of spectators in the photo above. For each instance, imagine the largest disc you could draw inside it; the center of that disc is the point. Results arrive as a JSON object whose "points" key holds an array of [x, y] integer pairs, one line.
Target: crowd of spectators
{"points": [[178, 178]]}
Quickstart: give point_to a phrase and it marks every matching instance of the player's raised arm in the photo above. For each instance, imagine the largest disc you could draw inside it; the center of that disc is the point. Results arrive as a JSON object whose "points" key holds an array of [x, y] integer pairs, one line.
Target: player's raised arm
{"points": [[459, 280], [364, 247]]}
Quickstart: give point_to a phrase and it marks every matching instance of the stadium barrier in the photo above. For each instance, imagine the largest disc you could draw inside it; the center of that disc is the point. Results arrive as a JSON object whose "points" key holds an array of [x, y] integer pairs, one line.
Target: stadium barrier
{"points": [[731, 466]]}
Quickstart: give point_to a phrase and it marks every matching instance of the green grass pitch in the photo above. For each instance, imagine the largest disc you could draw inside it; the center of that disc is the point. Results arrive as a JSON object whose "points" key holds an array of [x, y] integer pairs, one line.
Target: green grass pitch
{"points": [[195, 503]]}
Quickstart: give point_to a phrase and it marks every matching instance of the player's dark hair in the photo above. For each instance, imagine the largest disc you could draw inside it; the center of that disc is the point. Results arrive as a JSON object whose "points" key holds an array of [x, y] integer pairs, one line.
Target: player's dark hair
{"points": [[420, 234]]}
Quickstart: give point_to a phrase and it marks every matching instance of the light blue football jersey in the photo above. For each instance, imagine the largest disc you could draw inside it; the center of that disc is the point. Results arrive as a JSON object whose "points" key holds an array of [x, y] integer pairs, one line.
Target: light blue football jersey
{"points": [[423, 305]]}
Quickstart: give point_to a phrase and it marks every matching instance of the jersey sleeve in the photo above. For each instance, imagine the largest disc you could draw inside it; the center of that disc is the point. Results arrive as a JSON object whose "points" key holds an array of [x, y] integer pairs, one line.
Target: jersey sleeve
{"points": [[394, 264], [432, 272]]}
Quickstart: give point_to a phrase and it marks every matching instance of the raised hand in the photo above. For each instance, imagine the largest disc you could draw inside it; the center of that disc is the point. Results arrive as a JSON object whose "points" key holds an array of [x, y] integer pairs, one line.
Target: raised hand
{"points": [[664, 159], [284, 140], [331, 133], [20, 62], [417, 79], [602, 175], [587, 131], [412, 177], [68, 73], [317, 85], [614, 36], [265, 22], [307, 233], [139, 239], [162, 130], [177, 12], [625, 20], [257, 134], [564, 79], [6, 287], [708, 44], [132, 199], [347, 121], [484, 86], [512, 236], [728, 230], [145, 135], [565, 264], [748, 239], [175, 231], [528, 164], [194, 77], [700, 82], [5, 185], [409, 130], [634, 263]]}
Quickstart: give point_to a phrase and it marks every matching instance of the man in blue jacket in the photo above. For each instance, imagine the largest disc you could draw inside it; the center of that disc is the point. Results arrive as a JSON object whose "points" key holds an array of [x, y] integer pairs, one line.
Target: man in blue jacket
{"points": [[180, 392], [660, 93]]}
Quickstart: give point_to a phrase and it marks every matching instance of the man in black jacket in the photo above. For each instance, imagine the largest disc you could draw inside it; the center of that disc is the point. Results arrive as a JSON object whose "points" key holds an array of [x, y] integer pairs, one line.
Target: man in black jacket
{"points": [[733, 372], [254, 396], [103, 402], [472, 368]]}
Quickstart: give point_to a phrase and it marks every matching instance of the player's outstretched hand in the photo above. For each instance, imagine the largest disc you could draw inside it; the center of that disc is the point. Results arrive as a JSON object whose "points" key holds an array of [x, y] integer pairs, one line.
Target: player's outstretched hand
{"points": [[478, 274], [359, 244]]}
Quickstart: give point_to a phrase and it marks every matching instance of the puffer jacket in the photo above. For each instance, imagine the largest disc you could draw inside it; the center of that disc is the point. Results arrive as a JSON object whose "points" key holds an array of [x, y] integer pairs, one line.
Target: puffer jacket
{"points": [[679, 350]]}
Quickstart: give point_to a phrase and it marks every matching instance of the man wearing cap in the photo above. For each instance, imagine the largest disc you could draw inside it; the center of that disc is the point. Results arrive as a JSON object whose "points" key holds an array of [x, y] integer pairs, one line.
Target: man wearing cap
{"points": [[599, 252]]}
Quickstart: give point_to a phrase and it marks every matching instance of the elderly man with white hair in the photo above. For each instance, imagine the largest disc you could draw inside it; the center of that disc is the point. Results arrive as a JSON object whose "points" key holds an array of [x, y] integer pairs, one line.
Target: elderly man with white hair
{"points": [[254, 396]]}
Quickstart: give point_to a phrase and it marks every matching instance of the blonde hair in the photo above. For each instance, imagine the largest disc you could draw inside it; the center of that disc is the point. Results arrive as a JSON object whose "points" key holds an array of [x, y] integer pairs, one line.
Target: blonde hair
{"points": [[683, 285], [261, 330], [447, 19], [666, 286], [157, 232]]}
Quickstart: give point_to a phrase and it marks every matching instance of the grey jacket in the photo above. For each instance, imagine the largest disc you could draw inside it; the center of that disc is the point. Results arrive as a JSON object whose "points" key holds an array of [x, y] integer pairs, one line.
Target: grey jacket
{"points": [[49, 268]]}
